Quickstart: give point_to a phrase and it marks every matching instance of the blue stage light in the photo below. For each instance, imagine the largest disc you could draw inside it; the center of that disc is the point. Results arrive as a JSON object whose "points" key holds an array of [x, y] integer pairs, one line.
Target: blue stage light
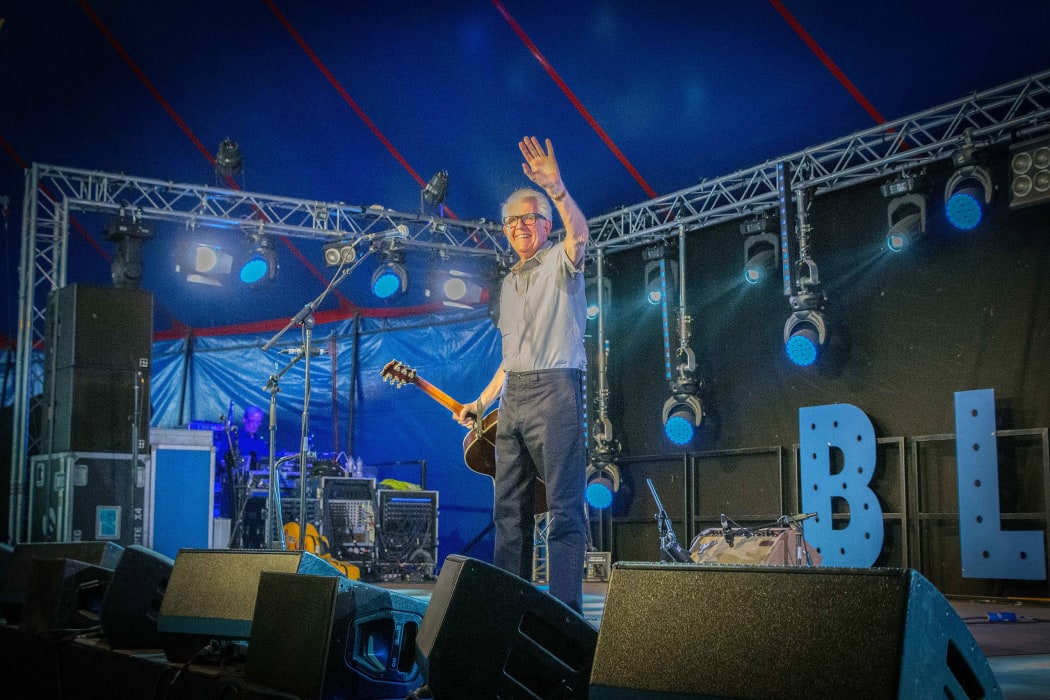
{"points": [[805, 334]]}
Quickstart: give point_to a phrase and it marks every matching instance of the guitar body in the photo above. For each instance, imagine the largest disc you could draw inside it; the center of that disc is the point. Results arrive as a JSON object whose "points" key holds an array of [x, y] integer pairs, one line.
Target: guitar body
{"points": [[479, 445], [316, 543], [479, 452]]}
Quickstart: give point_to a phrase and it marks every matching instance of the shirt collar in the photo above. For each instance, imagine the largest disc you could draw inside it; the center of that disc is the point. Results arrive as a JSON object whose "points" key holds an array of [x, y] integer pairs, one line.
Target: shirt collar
{"points": [[538, 257]]}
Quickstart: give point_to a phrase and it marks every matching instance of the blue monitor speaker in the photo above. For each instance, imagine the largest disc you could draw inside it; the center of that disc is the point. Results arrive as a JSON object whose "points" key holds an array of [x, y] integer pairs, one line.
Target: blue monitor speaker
{"points": [[322, 637], [211, 595]]}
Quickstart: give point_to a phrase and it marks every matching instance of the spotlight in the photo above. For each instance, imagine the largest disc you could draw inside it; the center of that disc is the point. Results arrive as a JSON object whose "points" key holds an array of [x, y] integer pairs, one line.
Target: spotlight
{"points": [[203, 264], [1030, 173], [228, 158], [603, 481], [391, 277], [661, 277], [129, 234], [805, 334], [457, 288], [969, 189], [760, 256], [260, 263], [682, 415], [437, 187], [905, 220], [339, 253], [591, 287]]}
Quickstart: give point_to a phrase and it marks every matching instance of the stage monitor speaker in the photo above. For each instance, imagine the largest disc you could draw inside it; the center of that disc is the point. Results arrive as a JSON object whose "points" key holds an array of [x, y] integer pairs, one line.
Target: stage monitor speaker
{"points": [[687, 630], [132, 601], [15, 584], [348, 639], [211, 595], [489, 633], [63, 595]]}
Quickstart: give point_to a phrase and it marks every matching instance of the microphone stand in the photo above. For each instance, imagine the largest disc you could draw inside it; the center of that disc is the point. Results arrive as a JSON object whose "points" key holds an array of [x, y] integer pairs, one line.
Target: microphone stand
{"points": [[274, 519], [305, 318], [136, 416], [670, 550]]}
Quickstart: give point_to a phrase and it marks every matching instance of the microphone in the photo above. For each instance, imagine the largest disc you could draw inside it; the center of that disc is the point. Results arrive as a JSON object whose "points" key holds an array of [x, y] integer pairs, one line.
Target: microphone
{"points": [[399, 231], [298, 352], [726, 530], [799, 517]]}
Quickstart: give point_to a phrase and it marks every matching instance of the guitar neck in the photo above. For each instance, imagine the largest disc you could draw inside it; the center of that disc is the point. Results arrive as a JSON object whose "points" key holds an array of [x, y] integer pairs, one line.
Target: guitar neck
{"points": [[437, 394]]}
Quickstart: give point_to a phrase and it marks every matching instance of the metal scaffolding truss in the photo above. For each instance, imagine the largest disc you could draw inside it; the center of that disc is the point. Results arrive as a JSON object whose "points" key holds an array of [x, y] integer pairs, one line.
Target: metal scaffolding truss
{"points": [[984, 118], [53, 194]]}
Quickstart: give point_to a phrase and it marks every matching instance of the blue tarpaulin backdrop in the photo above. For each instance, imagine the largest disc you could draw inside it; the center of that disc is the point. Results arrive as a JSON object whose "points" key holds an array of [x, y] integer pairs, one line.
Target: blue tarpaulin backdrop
{"points": [[353, 410]]}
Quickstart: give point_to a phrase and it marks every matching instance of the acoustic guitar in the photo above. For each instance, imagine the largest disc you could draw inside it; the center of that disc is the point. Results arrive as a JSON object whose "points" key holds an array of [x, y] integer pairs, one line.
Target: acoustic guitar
{"points": [[479, 445]]}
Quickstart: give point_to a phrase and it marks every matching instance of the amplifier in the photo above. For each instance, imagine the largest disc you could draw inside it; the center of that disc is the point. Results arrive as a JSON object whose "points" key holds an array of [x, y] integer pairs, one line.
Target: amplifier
{"points": [[770, 546], [407, 531]]}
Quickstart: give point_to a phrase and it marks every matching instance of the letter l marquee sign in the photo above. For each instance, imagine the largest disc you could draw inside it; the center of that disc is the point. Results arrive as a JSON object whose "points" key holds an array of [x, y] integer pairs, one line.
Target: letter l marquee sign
{"points": [[987, 550]]}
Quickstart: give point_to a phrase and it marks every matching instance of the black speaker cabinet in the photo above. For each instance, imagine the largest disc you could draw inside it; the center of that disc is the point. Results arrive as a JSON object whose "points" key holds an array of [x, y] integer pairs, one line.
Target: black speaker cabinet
{"points": [[489, 633], [211, 594], [736, 631], [90, 326], [16, 582], [97, 362], [63, 594], [325, 637], [132, 601], [92, 410]]}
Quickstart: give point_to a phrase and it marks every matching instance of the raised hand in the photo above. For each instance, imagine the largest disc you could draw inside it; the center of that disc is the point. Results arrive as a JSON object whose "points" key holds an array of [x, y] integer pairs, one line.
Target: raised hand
{"points": [[540, 165]]}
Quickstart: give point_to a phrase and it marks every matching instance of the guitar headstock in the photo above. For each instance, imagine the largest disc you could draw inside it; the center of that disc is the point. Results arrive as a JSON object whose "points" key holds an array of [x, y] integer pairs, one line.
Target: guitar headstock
{"points": [[398, 373]]}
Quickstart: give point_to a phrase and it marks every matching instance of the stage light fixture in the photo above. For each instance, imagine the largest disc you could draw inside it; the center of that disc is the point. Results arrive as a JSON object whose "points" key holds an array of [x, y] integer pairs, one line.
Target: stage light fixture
{"points": [[603, 481], [228, 160], [202, 263], [457, 288], [760, 256], [339, 253], [591, 287], [969, 190], [260, 262], [129, 233], [390, 278], [905, 221], [805, 335], [682, 415], [435, 190], [1030, 172]]}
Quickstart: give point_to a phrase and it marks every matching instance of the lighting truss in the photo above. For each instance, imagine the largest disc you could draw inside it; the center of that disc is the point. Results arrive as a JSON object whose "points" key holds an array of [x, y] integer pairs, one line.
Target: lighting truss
{"points": [[879, 152], [53, 192]]}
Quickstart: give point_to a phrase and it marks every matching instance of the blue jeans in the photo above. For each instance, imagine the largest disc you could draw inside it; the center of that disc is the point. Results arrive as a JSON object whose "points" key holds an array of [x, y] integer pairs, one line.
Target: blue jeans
{"points": [[540, 433]]}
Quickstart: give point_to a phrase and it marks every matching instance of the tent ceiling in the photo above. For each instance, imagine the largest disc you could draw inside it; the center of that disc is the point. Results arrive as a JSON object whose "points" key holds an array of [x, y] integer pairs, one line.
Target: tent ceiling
{"points": [[361, 103]]}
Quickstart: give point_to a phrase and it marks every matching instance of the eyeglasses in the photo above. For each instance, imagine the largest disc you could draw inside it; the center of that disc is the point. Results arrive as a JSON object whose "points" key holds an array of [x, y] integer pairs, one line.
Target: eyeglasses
{"points": [[528, 219]]}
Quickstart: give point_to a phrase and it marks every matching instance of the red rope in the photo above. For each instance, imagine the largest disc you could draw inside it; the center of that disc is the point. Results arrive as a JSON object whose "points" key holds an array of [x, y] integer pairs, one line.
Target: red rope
{"points": [[573, 99]]}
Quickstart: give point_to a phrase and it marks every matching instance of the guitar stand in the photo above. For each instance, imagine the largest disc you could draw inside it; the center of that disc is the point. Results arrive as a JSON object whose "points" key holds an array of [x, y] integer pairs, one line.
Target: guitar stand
{"points": [[670, 550], [242, 492]]}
